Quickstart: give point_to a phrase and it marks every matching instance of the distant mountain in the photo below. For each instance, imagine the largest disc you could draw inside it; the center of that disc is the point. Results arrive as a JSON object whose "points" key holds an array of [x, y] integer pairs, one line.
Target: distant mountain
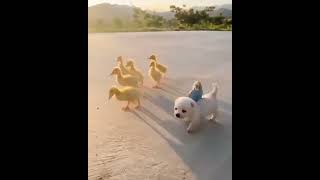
{"points": [[165, 14], [223, 11], [225, 6], [107, 12]]}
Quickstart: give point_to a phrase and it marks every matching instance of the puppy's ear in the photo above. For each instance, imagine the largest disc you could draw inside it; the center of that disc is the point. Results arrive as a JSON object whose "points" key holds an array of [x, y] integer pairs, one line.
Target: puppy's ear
{"points": [[192, 105]]}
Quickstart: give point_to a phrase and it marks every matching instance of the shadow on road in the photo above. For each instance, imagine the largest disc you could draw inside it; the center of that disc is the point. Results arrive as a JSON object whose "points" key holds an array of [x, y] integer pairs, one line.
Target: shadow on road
{"points": [[208, 152]]}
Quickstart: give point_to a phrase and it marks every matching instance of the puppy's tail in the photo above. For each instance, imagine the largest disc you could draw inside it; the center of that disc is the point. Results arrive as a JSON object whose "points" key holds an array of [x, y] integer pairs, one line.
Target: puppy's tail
{"points": [[214, 90]]}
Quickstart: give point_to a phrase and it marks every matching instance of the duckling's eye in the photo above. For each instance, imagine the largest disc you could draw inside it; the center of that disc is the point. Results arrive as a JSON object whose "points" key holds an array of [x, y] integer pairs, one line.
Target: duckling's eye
{"points": [[175, 108], [184, 111]]}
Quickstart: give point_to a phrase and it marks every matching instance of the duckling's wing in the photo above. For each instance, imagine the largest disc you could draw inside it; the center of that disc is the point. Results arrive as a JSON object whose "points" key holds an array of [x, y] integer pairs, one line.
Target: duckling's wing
{"points": [[131, 72], [123, 69], [139, 74], [132, 80], [162, 68], [157, 75], [133, 93]]}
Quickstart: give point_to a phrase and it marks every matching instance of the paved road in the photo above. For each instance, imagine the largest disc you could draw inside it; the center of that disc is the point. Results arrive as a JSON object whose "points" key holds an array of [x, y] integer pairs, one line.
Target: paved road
{"points": [[150, 143]]}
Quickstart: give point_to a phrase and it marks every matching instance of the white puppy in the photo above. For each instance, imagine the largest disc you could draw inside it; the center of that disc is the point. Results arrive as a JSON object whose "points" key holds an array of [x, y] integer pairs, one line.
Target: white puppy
{"points": [[191, 111]]}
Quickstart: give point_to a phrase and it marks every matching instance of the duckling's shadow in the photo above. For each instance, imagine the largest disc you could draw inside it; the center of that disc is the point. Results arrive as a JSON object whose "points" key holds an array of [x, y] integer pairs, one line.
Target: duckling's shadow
{"points": [[135, 112], [162, 88], [173, 89], [161, 102], [167, 124]]}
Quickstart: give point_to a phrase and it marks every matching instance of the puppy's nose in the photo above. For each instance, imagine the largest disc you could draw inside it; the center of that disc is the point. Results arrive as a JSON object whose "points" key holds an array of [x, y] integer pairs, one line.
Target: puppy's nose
{"points": [[178, 115]]}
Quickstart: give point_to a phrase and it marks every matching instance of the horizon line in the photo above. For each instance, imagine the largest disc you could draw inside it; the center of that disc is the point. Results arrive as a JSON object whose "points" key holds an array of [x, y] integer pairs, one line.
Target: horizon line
{"points": [[103, 2]]}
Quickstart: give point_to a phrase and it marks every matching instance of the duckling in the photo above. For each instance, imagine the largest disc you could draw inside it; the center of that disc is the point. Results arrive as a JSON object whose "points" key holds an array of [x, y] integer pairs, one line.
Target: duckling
{"points": [[121, 66], [129, 94], [154, 74], [160, 67], [124, 80], [134, 72]]}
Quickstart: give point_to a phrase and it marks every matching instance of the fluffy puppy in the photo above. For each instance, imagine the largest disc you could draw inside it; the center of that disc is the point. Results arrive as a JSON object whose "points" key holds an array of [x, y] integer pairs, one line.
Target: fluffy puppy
{"points": [[192, 112]]}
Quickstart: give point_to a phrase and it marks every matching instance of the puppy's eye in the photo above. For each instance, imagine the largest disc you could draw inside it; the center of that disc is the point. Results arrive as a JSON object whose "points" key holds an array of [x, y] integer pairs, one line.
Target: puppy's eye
{"points": [[175, 108], [184, 111]]}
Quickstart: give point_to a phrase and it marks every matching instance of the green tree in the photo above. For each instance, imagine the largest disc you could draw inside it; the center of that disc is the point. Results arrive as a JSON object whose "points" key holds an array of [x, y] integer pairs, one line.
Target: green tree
{"points": [[155, 21], [191, 16], [218, 20], [172, 23], [99, 22], [117, 23], [228, 21], [137, 17], [142, 18]]}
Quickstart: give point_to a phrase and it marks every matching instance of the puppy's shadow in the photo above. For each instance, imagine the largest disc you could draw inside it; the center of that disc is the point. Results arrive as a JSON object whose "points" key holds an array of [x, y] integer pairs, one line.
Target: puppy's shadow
{"points": [[225, 106], [205, 151], [171, 125], [174, 128]]}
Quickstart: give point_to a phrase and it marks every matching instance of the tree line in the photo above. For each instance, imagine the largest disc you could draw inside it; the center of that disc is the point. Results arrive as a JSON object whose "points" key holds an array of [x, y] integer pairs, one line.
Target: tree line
{"points": [[184, 19]]}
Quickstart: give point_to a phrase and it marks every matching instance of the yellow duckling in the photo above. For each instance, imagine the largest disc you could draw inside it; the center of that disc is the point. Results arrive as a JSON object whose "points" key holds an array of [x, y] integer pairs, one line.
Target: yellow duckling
{"points": [[134, 72], [154, 74], [125, 80], [160, 67], [121, 66], [129, 94]]}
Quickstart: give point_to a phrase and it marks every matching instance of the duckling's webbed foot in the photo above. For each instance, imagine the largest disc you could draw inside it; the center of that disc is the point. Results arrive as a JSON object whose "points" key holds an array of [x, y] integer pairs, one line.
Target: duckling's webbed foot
{"points": [[156, 86], [125, 108], [138, 106]]}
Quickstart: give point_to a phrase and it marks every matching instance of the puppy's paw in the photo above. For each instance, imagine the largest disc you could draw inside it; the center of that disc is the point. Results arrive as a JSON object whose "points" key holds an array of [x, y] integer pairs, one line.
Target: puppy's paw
{"points": [[189, 130], [213, 118]]}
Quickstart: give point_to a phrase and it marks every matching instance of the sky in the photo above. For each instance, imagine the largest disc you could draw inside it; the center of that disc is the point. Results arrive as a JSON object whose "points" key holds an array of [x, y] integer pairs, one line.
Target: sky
{"points": [[161, 5]]}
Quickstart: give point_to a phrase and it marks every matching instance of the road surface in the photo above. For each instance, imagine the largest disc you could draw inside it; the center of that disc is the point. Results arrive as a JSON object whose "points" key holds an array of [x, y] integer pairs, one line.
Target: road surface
{"points": [[150, 143]]}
